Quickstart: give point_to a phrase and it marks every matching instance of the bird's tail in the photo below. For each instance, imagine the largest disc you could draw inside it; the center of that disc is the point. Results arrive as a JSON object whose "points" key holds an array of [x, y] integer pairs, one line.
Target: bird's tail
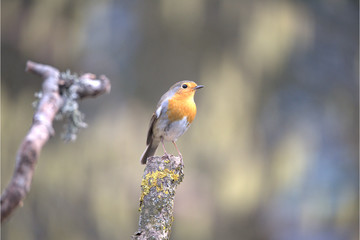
{"points": [[149, 151]]}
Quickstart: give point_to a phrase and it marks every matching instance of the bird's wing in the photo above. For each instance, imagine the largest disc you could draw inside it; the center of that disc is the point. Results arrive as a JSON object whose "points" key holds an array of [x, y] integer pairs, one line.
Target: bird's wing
{"points": [[150, 132], [161, 109]]}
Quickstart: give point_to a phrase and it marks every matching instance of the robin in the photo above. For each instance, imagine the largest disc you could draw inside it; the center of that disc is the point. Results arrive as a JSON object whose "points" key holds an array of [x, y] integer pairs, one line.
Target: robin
{"points": [[174, 113]]}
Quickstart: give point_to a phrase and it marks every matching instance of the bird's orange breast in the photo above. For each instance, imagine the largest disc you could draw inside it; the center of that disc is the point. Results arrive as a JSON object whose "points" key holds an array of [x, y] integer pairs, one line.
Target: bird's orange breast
{"points": [[181, 105]]}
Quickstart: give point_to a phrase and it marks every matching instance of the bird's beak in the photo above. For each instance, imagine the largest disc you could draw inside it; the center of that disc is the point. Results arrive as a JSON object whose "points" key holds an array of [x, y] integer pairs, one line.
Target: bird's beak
{"points": [[198, 87]]}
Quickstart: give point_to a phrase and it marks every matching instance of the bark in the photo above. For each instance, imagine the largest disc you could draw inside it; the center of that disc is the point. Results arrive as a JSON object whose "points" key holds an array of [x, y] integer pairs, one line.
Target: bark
{"points": [[41, 129], [161, 177]]}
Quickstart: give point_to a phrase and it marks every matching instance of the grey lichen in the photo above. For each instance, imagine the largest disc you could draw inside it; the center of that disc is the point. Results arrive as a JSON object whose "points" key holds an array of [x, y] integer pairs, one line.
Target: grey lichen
{"points": [[69, 112]]}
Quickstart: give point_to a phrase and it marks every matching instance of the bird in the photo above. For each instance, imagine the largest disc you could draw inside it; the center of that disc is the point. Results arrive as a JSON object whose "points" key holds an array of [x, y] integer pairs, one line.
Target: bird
{"points": [[174, 113]]}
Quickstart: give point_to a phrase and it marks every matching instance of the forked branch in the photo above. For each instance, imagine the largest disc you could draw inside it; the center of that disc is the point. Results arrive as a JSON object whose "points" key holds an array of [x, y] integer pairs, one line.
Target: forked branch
{"points": [[50, 102]]}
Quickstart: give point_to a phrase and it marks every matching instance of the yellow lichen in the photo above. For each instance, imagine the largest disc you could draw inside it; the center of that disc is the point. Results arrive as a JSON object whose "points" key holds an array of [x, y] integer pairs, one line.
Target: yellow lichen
{"points": [[151, 180]]}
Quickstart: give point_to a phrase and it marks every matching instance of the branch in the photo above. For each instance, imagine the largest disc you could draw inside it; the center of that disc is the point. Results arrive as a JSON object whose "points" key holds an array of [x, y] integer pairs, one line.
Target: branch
{"points": [[161, 177], [41, 129]]}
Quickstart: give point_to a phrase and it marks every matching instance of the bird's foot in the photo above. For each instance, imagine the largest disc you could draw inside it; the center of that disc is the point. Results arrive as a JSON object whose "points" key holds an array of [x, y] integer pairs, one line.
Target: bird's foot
{"points": [[167, 155]]}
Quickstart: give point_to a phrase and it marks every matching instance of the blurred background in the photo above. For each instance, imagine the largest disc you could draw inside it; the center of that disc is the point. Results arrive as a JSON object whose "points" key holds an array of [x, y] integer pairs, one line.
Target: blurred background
{"points": [[272, 153]]}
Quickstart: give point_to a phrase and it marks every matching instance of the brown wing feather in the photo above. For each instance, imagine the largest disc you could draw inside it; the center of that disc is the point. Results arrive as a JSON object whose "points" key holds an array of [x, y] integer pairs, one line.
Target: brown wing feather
{"points": [[150, 132]]}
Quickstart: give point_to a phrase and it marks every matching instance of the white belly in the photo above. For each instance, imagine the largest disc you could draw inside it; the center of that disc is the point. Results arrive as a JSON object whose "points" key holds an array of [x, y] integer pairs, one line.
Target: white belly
{"points": [[172, 131]]}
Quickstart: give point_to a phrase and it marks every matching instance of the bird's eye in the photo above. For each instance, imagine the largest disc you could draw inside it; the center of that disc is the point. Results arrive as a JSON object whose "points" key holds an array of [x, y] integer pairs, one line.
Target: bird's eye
{"points": [[184, 86]]}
